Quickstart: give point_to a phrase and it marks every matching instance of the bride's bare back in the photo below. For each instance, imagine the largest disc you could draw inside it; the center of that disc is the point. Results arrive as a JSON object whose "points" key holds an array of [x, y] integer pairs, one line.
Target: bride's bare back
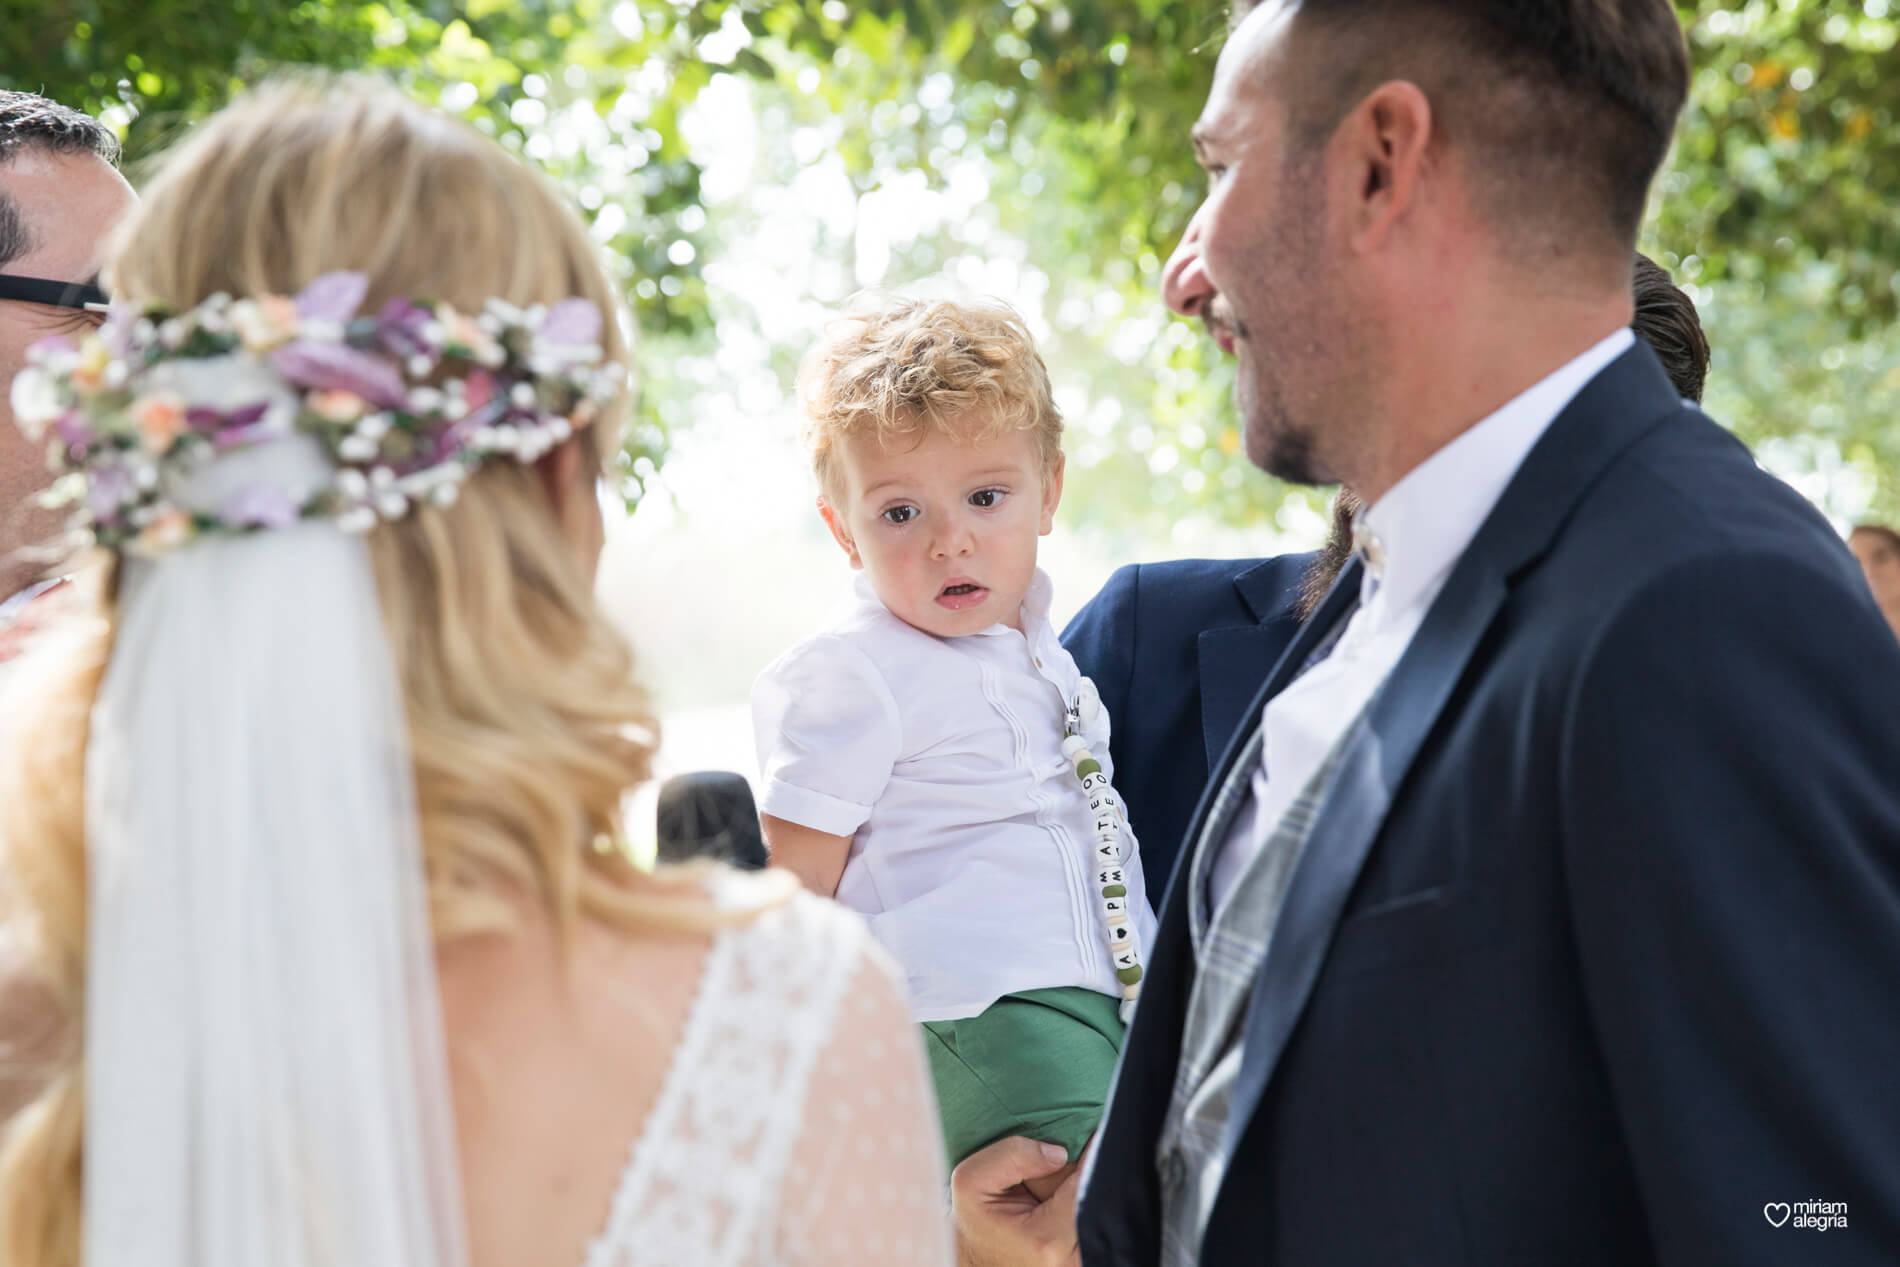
{"points": [[769, 1074]]}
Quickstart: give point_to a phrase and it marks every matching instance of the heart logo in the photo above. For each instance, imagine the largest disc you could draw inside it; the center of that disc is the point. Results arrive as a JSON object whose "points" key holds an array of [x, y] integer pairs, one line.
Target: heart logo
{"points": [[1776, 1212]]}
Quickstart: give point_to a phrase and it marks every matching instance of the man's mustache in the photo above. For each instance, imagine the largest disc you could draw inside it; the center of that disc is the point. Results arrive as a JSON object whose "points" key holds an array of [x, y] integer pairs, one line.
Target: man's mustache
{"points": [[1219, 314]]}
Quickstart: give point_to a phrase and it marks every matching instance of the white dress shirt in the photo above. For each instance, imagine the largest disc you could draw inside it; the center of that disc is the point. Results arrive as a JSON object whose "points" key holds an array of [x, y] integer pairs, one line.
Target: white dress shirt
{"points": [[972, 851], [1410, 539]]}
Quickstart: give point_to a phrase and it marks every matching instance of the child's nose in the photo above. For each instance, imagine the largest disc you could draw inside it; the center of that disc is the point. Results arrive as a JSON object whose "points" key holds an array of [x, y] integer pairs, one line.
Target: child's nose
{"points": [[956, 541]]}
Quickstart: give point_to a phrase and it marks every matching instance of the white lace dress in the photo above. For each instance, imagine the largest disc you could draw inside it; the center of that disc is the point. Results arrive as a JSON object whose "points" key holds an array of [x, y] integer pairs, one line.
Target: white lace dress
{"points": [[795, 1125]]}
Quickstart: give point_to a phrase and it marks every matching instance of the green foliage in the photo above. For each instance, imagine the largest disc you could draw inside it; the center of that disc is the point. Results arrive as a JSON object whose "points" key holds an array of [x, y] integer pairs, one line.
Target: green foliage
{"points": [[1786, 153], [1777, 206], [511, 67]]}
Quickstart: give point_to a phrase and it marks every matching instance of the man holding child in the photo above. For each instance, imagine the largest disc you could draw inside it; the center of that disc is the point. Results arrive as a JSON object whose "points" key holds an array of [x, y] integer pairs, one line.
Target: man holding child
{"points": [[1551, 909]]}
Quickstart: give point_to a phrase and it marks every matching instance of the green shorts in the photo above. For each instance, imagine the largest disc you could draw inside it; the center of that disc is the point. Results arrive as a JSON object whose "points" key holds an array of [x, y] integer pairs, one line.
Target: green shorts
{"points": [[1036, 1063]]}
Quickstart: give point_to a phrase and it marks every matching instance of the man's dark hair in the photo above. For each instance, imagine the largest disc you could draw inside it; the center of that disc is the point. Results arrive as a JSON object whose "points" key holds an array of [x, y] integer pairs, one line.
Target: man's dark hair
{"points": [[29, 121], [1887, 535], [1564, 108], [1666, 320]]}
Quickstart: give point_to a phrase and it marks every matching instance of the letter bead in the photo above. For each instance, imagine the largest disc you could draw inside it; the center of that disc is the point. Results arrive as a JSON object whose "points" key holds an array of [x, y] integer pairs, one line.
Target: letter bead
{"points": [[1111, 816]]}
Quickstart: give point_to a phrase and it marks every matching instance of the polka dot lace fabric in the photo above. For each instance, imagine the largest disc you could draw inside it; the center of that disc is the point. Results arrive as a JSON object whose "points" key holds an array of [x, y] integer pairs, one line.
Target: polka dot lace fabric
{"points": [[795, 1127]]}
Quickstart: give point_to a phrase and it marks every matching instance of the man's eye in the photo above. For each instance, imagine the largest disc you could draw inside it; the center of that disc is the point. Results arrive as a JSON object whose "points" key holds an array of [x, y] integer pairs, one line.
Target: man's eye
{"points": [[987, 498], [901, 514]]}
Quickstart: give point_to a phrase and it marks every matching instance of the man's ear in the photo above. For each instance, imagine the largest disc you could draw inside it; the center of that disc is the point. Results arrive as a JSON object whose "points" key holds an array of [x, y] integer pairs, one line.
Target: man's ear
{"points": [[840, 532], [1381, 151], [1052, 494]]}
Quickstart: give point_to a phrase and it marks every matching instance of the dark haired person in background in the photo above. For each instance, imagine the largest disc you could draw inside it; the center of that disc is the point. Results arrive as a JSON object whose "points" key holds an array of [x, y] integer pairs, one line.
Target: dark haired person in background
{"points": [[1179, 649], [1665, 318], [1878, 549], [60, 195], [1551, 914], [710, 814]]}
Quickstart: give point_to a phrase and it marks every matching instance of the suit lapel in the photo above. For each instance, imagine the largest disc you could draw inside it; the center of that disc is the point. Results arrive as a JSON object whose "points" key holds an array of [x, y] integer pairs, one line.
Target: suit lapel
{"points": [[1625, 400], [1371, 768], [1234, 661], [1228, 658]]}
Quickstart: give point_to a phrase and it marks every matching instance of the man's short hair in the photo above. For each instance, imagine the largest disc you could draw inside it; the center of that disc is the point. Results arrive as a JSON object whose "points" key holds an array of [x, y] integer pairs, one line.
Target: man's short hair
{"points": [[1666, 320], [900, 369], [1564, 108], [29, 121]]}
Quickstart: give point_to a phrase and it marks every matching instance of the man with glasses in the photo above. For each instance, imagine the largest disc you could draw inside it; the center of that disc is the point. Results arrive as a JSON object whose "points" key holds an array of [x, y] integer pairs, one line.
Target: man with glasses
{"points": [[60, 195]]}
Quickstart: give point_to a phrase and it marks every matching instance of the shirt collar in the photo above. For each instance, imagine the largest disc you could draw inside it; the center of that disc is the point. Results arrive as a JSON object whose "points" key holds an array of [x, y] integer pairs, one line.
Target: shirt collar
{"points": [[1414, 534], [1037, 600]]}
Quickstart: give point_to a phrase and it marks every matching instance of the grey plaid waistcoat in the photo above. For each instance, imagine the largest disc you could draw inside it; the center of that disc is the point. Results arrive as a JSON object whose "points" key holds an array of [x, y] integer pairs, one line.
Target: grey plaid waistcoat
{"points": [[1229, 949]]}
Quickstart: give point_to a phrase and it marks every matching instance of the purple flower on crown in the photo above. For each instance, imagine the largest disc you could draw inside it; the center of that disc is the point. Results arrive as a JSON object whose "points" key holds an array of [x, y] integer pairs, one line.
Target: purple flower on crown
{"points": [[260, 506], [108, 490], [399, 328], [319, 366], [571, 323], [74, 432], [53, 345], [333, 297], [229, 430]]}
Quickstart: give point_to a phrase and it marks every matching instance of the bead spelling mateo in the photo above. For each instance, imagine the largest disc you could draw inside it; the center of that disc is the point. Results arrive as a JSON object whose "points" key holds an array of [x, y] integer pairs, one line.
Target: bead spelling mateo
{"points": [[1110, 823]]}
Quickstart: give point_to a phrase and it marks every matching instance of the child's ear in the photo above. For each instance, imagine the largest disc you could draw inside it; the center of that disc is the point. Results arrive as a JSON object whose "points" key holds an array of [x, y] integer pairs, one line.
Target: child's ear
{"points": [[1051, 495], [842, 534]]}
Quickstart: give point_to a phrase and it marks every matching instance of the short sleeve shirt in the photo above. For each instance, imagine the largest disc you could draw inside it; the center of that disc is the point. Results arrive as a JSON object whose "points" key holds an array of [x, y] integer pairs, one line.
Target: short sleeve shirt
{"points": [[972, 850]]}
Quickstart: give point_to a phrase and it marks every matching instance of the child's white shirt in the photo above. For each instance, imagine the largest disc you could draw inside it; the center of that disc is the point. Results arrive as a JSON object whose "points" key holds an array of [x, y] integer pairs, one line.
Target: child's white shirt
{"points": [[972, 852]]}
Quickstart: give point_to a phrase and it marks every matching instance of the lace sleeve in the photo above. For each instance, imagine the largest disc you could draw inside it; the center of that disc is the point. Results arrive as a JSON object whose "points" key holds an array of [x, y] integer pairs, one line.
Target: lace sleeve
{"points": [[865, 1184]]}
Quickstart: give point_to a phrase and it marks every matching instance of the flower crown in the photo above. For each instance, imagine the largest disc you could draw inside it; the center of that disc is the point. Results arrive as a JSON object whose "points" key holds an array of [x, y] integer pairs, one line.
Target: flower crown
{"points": [[405, 403]]}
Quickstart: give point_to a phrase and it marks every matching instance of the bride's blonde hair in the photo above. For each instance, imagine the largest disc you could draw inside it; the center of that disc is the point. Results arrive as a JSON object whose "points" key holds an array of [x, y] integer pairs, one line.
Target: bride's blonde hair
{"points": [[527, 729]]}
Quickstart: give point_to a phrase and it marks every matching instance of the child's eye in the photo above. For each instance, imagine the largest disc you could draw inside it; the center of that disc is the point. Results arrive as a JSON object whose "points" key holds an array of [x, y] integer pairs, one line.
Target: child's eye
{"points": [[987, 498], [900, 514]]}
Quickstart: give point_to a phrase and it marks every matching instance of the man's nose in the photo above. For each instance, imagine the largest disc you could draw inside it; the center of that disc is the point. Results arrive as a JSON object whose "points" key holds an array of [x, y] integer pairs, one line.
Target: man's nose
{"points": [[1184, 284]]}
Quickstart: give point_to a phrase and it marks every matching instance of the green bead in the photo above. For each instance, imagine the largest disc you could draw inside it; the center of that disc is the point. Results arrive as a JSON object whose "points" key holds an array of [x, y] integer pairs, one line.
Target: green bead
{"points": [[1088, 766], [1128, 976], [1115, 890]]}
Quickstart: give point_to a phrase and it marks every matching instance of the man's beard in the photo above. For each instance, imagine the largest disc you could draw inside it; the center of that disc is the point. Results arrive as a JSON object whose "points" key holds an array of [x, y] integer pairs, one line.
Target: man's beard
{"points": [[1274, 442], [1289, 258]]}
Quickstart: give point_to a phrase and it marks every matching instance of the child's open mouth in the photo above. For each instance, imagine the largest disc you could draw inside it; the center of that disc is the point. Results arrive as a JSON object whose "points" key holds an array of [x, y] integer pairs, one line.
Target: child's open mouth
{"points": [[962, 595]]}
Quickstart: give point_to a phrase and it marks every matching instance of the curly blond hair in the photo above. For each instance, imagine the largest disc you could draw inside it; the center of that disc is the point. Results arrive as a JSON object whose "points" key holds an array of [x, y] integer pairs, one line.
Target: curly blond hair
{"points": [[902, 368], [527, 729]]}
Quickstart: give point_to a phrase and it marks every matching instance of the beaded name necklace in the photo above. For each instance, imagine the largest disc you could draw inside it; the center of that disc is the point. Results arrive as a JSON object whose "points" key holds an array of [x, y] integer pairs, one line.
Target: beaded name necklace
{"points": [[1110, 823]]}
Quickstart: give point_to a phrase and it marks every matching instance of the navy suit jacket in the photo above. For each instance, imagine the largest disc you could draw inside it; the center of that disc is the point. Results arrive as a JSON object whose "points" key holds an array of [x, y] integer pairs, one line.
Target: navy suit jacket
{"points": [[1594, 949], [1178, 650]]}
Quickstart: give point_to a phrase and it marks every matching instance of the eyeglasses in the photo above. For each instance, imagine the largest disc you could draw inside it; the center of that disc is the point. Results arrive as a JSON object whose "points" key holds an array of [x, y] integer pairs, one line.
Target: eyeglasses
{"points": [[38, 290]]}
